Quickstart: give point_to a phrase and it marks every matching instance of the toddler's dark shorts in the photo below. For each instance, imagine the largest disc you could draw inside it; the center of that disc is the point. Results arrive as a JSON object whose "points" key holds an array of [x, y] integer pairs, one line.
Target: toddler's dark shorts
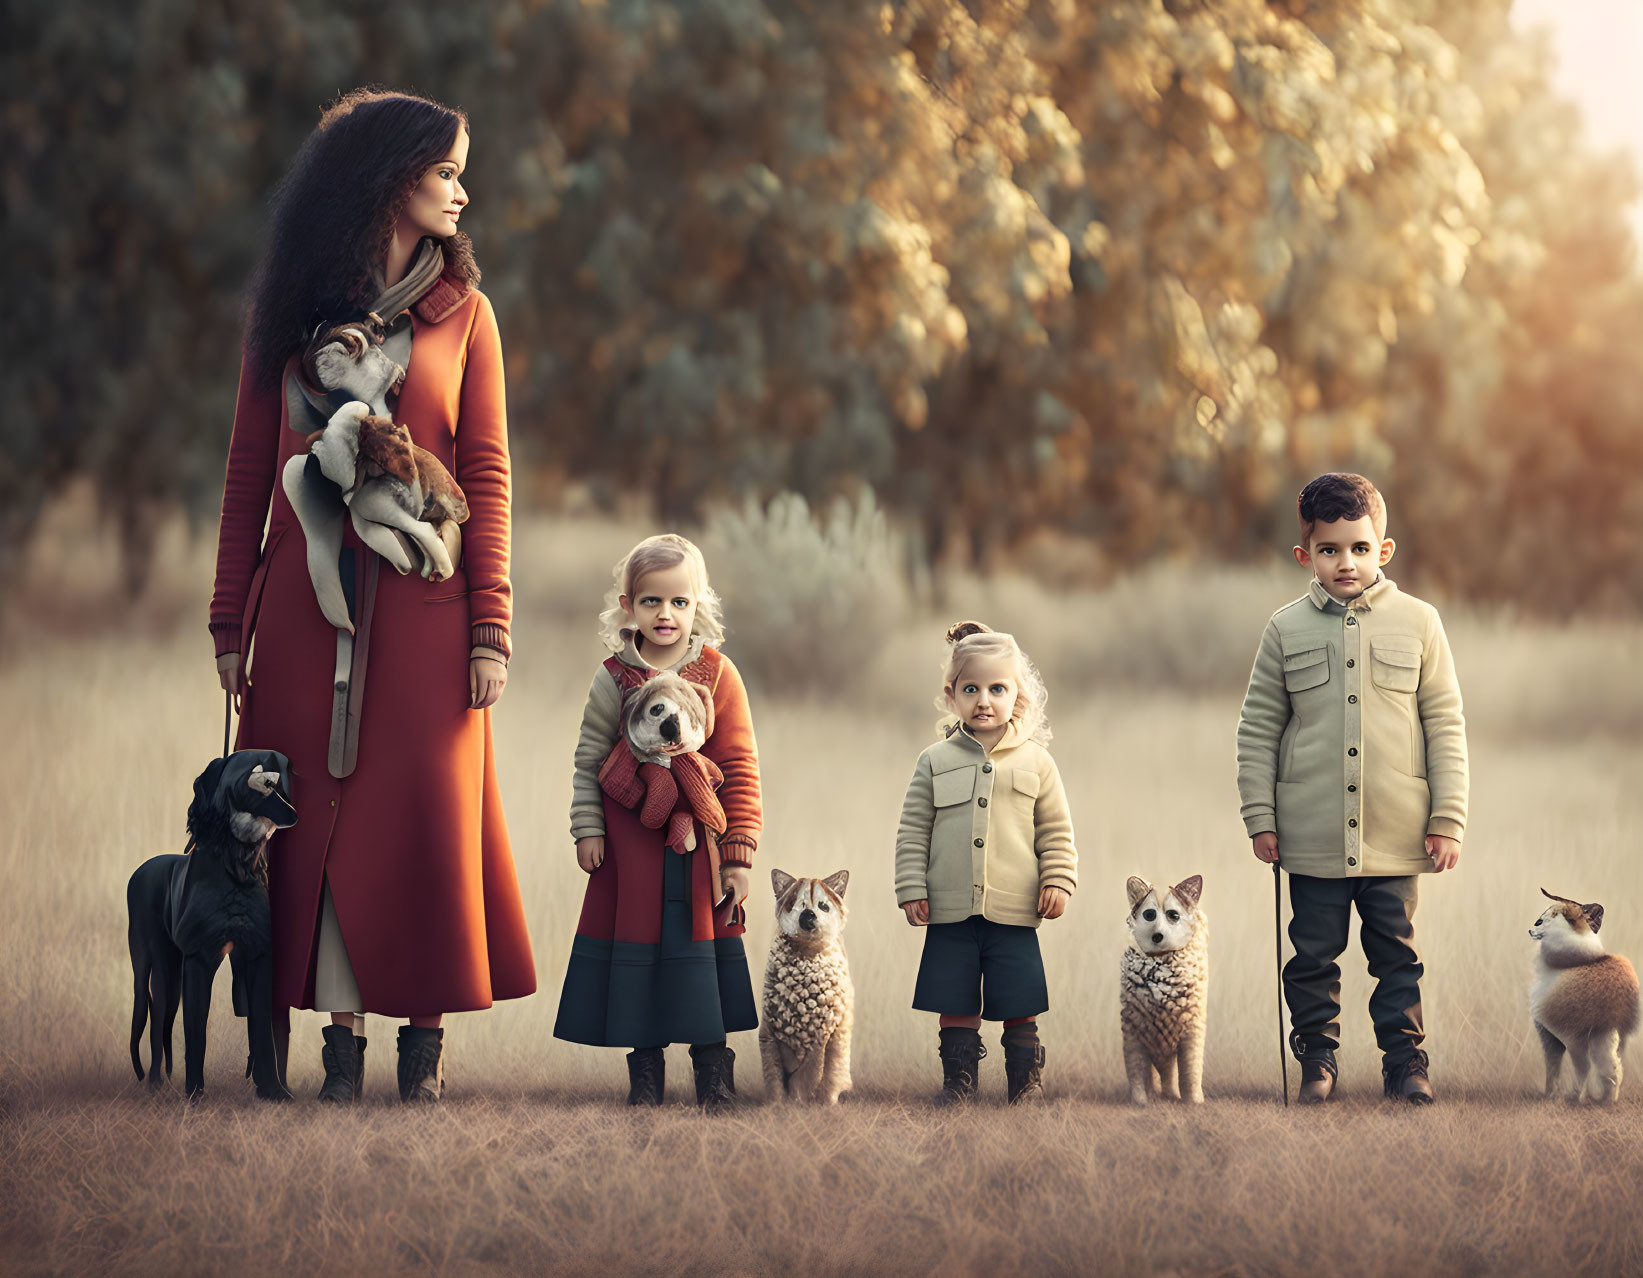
{"points": [[978, 966]]}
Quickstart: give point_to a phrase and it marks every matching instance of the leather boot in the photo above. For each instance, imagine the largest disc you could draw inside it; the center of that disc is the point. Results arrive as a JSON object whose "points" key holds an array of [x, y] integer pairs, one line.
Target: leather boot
{"points": [[421, 1071], [961, 1053], [647, 1075], [1023, 1063], [1408, 1081], [715, 1068], [344, 1059], [1317, 1075]]}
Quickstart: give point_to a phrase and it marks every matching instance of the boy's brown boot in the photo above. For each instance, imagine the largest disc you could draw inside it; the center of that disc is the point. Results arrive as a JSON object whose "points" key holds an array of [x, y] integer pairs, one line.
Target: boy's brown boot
{"points": [[1408, 1081], [1023, 1063], [1317, 1074], [961, 1053]]}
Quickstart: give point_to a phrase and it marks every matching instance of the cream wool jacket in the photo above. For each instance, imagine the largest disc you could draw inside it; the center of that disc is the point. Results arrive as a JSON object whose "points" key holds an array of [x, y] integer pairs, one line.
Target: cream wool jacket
{"points": [[1351, 742], [982, 833]]}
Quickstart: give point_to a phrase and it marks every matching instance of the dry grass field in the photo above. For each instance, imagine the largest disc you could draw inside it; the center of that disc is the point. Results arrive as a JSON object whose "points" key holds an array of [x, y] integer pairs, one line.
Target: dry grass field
{"points": [[531, 1165]]}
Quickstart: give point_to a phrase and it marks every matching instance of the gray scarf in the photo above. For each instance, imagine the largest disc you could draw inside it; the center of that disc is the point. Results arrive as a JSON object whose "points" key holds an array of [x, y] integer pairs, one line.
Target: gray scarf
{"points": [[309, 409]]}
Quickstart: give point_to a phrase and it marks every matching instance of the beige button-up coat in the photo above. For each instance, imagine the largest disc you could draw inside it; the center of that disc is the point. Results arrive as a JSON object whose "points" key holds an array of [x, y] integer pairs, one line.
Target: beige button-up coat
{"points": [[982, 832], [1351, 743]]}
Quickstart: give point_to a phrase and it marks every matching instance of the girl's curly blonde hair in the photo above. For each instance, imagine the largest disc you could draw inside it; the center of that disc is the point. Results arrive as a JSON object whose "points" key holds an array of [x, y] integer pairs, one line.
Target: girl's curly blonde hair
{"points": [[665, 550], [970, 640]]}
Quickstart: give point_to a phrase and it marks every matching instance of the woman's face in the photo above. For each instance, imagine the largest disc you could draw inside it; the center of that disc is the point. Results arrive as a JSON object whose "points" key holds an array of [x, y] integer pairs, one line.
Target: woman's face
{"points": [[439, 198]]}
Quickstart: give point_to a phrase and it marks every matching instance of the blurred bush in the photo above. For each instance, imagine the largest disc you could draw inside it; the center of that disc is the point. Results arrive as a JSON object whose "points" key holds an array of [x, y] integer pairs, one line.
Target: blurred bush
{"points": [[809, 599], [1129, 272]]}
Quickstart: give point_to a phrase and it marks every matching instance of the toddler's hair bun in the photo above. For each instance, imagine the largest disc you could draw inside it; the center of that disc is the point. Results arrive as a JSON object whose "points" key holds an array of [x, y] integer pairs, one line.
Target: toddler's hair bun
{"points": [[964, 629]]}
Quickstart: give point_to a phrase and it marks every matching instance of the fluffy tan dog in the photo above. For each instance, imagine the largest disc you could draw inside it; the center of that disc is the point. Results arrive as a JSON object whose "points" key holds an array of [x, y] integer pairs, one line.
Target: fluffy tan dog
{"points": [[1583, 1000], [809, 1002], [1163, 989]]}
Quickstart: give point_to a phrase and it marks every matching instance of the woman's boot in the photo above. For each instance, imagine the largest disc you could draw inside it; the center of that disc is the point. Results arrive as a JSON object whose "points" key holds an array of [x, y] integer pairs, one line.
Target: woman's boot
{"points": [[961, 1053], [1023, 1063], [647, 1075], [344, 1059], [715, 1067], [421, 1074]]}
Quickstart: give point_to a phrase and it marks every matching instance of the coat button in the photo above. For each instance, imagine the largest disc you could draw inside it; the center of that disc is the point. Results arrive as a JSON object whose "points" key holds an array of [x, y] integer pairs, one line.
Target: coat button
{"points": [[1351, 860], [1353, 823], [980, 842], [982, 802], [986, 767], [1352, 699], [1350, 663], [1352, 750], [1351, 789], [1351, 621]]}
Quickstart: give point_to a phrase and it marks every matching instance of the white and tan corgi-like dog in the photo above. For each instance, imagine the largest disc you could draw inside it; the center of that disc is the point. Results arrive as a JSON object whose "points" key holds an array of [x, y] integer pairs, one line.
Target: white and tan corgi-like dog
{"points": [[809, 1002], [1163, 988], [1583, 1000]]}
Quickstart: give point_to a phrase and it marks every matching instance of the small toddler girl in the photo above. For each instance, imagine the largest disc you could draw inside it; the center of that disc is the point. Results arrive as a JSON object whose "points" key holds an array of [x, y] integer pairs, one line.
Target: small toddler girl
{"points": [[984, 851], [658, 954]]}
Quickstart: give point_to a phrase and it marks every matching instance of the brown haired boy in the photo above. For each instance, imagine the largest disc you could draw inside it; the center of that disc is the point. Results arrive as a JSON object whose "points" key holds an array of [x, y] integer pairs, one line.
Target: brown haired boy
{"points": [[1352, 773]]}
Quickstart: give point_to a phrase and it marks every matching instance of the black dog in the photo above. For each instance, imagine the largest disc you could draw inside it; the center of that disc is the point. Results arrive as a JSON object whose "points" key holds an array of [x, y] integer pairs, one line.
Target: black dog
{"points": [[189, 911]]}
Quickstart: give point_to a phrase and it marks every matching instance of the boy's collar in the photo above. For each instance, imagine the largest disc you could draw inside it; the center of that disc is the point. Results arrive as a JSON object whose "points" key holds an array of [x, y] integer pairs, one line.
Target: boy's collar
{"points": [[1323, 601]]}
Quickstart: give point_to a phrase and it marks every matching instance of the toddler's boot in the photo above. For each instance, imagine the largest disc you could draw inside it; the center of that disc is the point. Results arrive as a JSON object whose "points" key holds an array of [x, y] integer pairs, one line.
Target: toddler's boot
{"points": [[1407, 1080], [344, 1058], [647, 1075], [961, 1053], [715, 1068], [421, 1071], [1023, 1063]]}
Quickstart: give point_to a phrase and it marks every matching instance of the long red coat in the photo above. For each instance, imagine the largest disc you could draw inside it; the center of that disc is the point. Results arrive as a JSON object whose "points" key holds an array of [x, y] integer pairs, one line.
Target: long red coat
{"points": [[413, 843]]}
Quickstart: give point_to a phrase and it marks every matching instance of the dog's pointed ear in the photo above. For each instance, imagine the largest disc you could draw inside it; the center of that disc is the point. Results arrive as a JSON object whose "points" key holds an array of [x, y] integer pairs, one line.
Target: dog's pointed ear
{"points": [[838, 882], [1561, 900], [1137, 887], [1189, 890], [781, 881], [1594, 915]]}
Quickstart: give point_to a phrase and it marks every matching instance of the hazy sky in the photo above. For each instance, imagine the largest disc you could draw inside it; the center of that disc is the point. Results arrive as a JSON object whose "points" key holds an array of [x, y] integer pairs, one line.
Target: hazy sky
{"points": [[1599, 46]]}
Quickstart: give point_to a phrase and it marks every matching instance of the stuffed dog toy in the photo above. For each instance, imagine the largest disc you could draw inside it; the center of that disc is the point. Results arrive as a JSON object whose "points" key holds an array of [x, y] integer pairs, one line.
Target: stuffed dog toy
{"points": [[403, 503], [655, 768], [188, 912]]}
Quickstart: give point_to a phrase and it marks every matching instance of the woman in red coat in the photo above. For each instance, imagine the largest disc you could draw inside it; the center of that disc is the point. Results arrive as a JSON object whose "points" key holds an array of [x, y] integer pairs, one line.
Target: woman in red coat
{"points": [[395, 892]]}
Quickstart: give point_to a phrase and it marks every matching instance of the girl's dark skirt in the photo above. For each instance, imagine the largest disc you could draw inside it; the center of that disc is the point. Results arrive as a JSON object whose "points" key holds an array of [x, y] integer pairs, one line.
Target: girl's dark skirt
{"points": [[651, 963], [980, 967]]}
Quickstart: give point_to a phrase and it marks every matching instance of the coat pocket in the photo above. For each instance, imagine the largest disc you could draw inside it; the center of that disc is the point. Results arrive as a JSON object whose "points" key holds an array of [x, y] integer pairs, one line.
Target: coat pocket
{"points": [[1396, 664], [956, 785], [1306, 669], [1025, 782]]}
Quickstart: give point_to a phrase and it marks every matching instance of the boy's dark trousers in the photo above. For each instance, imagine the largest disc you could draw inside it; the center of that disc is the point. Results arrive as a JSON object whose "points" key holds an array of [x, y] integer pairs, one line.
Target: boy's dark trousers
{"points": [[1321, 910]]}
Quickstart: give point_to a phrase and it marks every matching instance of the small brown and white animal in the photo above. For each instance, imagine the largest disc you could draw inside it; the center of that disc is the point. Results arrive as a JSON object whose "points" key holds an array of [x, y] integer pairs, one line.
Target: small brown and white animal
{"points": [[1583, 1000], [809, 1002], [1163, 987], [403, 503]]}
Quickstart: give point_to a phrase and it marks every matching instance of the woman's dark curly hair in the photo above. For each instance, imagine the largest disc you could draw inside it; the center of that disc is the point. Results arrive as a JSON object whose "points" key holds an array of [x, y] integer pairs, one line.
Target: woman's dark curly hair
{"points": [[334, 215]]}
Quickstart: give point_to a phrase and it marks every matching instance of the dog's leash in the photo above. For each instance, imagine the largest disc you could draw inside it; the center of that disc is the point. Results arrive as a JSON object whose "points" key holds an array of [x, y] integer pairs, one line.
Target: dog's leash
{"points": [[227, 719], [1278, 947]]}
